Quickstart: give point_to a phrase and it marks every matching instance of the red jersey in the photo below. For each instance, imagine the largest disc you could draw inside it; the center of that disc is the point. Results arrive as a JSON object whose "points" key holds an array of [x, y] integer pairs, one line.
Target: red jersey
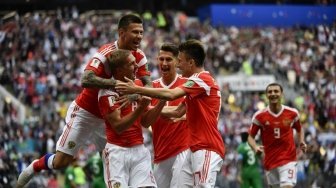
{"points": [[276, 135], [203, 102], [130, 137], [169, 137], [87, 99]]}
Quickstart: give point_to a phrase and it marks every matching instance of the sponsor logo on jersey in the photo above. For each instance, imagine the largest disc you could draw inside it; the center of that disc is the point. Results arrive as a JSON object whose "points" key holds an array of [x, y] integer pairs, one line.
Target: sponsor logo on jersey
{"points": [[189, 83], [71, 144]]}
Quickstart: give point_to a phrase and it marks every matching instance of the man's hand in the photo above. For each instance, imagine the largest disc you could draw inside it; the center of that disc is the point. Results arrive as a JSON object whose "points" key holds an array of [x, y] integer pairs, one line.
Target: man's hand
{"points": [[259, 150], [126, 87], [125, 100], [303, 147], [145, 101]]}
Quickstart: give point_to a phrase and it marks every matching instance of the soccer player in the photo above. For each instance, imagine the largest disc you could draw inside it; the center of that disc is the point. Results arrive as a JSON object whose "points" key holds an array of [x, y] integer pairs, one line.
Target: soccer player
{"points": [[94, 170], [202, 105], [170, 136], [84, 122], [249, 164], [276, 124], [127, 161]]}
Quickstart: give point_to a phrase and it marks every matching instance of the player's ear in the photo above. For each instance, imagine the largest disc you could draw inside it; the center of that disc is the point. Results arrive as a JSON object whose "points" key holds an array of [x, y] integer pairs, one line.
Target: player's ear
{"points": [[121, 32], [191, 62]]}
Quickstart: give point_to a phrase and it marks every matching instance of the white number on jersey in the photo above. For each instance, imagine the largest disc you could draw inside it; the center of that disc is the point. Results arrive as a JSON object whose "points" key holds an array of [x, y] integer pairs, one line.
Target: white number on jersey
{"points": [[251, 157], [276, 132], [111, 100]]}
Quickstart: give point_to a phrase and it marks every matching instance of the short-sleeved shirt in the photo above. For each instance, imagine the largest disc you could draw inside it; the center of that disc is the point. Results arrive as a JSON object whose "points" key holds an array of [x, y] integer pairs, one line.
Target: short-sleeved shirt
{"points": [[169, 137], [203, 102], [276, 134], [250, 161], [87, 99], [107, 104]]}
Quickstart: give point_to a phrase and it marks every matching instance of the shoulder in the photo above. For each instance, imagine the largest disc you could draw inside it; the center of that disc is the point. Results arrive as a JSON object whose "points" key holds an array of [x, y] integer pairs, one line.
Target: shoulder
{"points": [[104, 51], [107, 48], [157, 81], [107, 92], [259, 113], [139, 52], [180, 77], [291, 110]]}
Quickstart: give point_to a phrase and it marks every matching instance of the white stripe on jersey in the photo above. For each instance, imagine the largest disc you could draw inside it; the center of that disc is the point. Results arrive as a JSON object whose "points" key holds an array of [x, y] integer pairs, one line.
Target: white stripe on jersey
{"points": [[201, 83], [297, 117], [142, 62], [100, 57], [168, 86], [254, 120]]}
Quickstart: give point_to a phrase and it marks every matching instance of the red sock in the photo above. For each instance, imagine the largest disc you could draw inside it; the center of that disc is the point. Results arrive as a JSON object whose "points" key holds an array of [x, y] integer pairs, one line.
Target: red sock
{"points": [[40, 164]]}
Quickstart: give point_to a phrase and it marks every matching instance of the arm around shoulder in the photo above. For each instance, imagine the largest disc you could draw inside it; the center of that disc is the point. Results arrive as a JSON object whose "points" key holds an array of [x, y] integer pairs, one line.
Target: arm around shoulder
{"points": [[91, 80]]}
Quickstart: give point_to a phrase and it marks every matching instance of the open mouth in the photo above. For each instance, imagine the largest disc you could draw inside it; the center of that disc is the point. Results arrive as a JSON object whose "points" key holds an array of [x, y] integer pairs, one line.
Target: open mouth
{"points": [[136, 44], [165, 69]]}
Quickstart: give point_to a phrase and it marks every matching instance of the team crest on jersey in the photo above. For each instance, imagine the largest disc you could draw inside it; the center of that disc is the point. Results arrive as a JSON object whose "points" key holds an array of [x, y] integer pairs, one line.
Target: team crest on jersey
{"points": [[116, 185], [189, 83], [95, 63], [286, 122], [71, 144], [267, 123]]}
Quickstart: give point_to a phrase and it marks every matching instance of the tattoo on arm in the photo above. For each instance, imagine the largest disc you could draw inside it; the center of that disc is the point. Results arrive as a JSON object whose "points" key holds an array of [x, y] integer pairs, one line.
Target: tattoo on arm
{"points": [[147, 81], [90, 80]]}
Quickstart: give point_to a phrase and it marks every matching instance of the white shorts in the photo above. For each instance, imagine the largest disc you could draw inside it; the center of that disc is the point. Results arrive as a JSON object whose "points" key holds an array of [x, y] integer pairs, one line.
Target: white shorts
{"points": [[127, 167], [81, 127], [282, 175], [167, 172], [200, 169]]}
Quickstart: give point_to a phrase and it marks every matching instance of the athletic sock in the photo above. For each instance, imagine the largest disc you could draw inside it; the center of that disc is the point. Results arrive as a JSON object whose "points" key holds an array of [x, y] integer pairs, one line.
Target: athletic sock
{"points": [[42, 163]]}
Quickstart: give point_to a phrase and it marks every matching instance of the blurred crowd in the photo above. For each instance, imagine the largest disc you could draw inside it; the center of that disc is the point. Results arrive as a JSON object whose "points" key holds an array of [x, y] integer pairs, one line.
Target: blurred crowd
{"points": [[43, 55]]}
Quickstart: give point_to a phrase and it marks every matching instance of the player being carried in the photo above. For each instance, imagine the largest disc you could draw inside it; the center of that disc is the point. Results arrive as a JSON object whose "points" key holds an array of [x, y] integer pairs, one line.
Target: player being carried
{"points": [[84, 122]]}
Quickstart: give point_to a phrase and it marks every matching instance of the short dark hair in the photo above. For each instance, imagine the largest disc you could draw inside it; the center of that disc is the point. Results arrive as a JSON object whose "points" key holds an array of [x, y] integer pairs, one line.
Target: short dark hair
{"points": [[117, 58], [274, 84], [193, 49], [169, 47], [244, 136], [128, 19]]}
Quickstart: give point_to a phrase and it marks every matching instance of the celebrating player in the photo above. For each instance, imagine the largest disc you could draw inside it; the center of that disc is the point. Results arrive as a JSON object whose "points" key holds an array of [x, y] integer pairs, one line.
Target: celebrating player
{"points": [[84, 122], [276, 124], [202, 106], [127, 161], [170, 136]]}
